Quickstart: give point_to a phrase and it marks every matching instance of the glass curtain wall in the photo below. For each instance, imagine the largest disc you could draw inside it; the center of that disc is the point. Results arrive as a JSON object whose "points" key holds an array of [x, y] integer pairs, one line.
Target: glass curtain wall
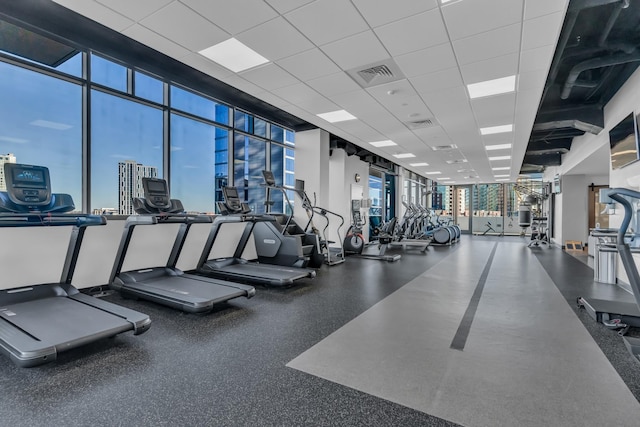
{"points": [[488, 205], [130, 125]]}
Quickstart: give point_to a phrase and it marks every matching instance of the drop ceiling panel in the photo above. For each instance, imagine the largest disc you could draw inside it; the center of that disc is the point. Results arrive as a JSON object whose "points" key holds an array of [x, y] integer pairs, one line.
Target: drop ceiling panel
{"points": [[437, 81], [426, 61], [494, 109], [242, 84], [309, 65], [233, 16], [135, 10], [269, 76], [447, 101], [414, 33], [274, 100], [466, 18], [295, 93], [488, 45], [535, 8], [490, 69], [98, 13], [185, 27], [324, 21], [207, 66], [275, 39], [541, 31], [379, 13], [355, 102], [357, 50], [156, 41], [536, 59], [400, 91], [284, 6], [333, 84], [317, 104], [531, 80], [363, 130]]}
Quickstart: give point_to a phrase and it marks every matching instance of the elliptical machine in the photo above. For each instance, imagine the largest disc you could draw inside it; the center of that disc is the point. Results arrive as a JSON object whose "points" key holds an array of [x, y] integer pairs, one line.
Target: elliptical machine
{"points": [[354, 240]]}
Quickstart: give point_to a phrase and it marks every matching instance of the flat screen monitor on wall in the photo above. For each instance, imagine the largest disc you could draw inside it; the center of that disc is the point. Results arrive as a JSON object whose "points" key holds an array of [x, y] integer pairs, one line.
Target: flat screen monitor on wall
{"points": [[624, 143]]}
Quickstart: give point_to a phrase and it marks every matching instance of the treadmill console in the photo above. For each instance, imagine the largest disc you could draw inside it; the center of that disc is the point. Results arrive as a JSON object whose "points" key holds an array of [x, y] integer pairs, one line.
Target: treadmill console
{"points": [[156, 193], [28, 185], [232, 201], [269, 178]]}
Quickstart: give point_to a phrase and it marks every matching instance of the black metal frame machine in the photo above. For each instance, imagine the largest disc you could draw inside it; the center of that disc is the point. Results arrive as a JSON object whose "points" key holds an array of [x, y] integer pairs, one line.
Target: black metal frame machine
{"points": [[37, 322], [167, 284]]}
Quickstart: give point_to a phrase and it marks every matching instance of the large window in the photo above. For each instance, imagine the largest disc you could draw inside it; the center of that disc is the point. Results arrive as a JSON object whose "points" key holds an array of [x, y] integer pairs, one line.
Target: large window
{"points": [[198, 170], [126, 145], [42, 125], [249, 161]]}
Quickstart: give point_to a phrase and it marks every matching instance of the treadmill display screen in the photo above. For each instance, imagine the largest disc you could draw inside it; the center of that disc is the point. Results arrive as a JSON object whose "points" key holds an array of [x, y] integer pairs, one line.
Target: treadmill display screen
{"points": [[157, 187], [30, 177], [232, 192]]}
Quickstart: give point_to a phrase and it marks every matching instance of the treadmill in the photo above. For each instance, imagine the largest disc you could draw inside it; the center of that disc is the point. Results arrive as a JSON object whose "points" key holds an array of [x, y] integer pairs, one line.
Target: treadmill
{"points": [[236, 268], [37, 322], [167, 284], [621, 315]]}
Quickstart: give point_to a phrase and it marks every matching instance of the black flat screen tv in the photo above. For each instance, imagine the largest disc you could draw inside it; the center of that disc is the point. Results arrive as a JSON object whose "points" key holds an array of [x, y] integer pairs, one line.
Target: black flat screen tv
{"points": [[623, 139]]}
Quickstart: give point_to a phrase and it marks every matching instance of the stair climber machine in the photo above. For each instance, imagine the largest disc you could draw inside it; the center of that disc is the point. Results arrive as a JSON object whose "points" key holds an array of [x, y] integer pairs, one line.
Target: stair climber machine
{"points": [[621, 315], [167, 285], [408, 233], [331, 255], [354, 241], [280, 257], [39, 321]]}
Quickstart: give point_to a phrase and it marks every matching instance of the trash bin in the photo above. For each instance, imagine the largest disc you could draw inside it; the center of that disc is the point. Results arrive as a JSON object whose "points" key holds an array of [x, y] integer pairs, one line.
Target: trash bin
{"points": [[605, 258]]}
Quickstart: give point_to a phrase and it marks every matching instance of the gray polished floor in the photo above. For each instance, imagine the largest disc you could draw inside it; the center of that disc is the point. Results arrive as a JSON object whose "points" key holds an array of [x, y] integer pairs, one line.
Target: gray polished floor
{"points": [[371, 343]]}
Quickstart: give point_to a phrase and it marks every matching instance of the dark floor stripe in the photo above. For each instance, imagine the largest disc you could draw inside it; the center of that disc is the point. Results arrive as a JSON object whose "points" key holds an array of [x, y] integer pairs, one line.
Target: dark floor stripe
{"points": [[460, 339]]}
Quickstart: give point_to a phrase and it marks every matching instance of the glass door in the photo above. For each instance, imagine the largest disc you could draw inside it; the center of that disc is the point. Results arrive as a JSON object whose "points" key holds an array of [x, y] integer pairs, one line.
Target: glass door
{"points": [[488, 202], [462, 208]]}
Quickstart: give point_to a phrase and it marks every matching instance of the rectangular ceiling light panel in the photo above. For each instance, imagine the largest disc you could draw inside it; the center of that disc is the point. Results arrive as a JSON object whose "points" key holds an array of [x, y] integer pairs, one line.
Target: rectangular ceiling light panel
{"points": [[403, 155], [418, 164], [496, 129], [501, 168], [492, 87], [337, 116], [497, 147], [499, 158], [234, 55], [387, 143]]}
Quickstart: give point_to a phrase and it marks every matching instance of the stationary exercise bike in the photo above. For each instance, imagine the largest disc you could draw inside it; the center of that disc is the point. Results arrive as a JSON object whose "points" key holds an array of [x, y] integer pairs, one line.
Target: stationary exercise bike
{"points": [[354, 240]]}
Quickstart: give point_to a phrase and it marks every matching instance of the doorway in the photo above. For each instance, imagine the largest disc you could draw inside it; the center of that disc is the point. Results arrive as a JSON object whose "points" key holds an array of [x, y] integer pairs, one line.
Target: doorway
{"points": [[462, 208]]}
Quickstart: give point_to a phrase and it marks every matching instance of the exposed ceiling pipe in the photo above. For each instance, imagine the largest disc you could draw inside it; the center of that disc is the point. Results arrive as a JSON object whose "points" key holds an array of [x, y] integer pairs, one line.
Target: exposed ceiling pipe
{"points": [[593, 64], [612, 20]]}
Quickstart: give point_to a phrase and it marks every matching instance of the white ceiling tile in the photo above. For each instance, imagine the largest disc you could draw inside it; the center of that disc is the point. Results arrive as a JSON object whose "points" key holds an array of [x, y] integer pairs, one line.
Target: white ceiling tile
{"points": [[185, 27], [536, 59], [363, 130], [269, 77], [535, 8], [296, 93], [272, 99], [284, 6], [207, 66], [324, 21], [98, 13], [333, 84], [428, 60], [317, 104], [410, 34], [357, 50], [494, 110], [488, 45], [446, 101], [275, 39], [542, 31], [242, 84], [155, 41], [383, 12], [135, 10], [532, 80], [439, 80], [490, 69], [233, 16], [392, 93], [466, 18], [355, 102], [309, 65]]}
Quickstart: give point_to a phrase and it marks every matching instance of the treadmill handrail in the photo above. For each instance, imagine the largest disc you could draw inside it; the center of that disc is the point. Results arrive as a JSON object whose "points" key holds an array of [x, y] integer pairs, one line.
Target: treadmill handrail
{"points": [[150, 219], [624, 249], [47, 220]]}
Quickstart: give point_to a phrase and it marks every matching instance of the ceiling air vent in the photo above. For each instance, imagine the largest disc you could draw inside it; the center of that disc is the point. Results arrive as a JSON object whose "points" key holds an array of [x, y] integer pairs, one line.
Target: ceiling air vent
{"points": [[456, 161], [376, 73], [444, 147], [420, 124]]}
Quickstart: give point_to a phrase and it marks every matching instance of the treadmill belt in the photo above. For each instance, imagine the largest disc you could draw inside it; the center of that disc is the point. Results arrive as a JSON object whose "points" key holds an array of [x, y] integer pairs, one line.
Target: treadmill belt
{"points": [[261, 273]]}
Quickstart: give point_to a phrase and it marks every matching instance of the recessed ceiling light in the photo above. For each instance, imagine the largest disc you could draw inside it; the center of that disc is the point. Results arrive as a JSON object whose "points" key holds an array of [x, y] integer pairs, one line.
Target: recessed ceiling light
{"points": [[492, 159], [496, 129], [492, 87], [448, 182], [497, 147], [503, 179], [433, 173], [234, 55], [444, 177], [418, 164], [386, 143], [501, 168], [403, 155], [336, 116], [501, 176]]}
